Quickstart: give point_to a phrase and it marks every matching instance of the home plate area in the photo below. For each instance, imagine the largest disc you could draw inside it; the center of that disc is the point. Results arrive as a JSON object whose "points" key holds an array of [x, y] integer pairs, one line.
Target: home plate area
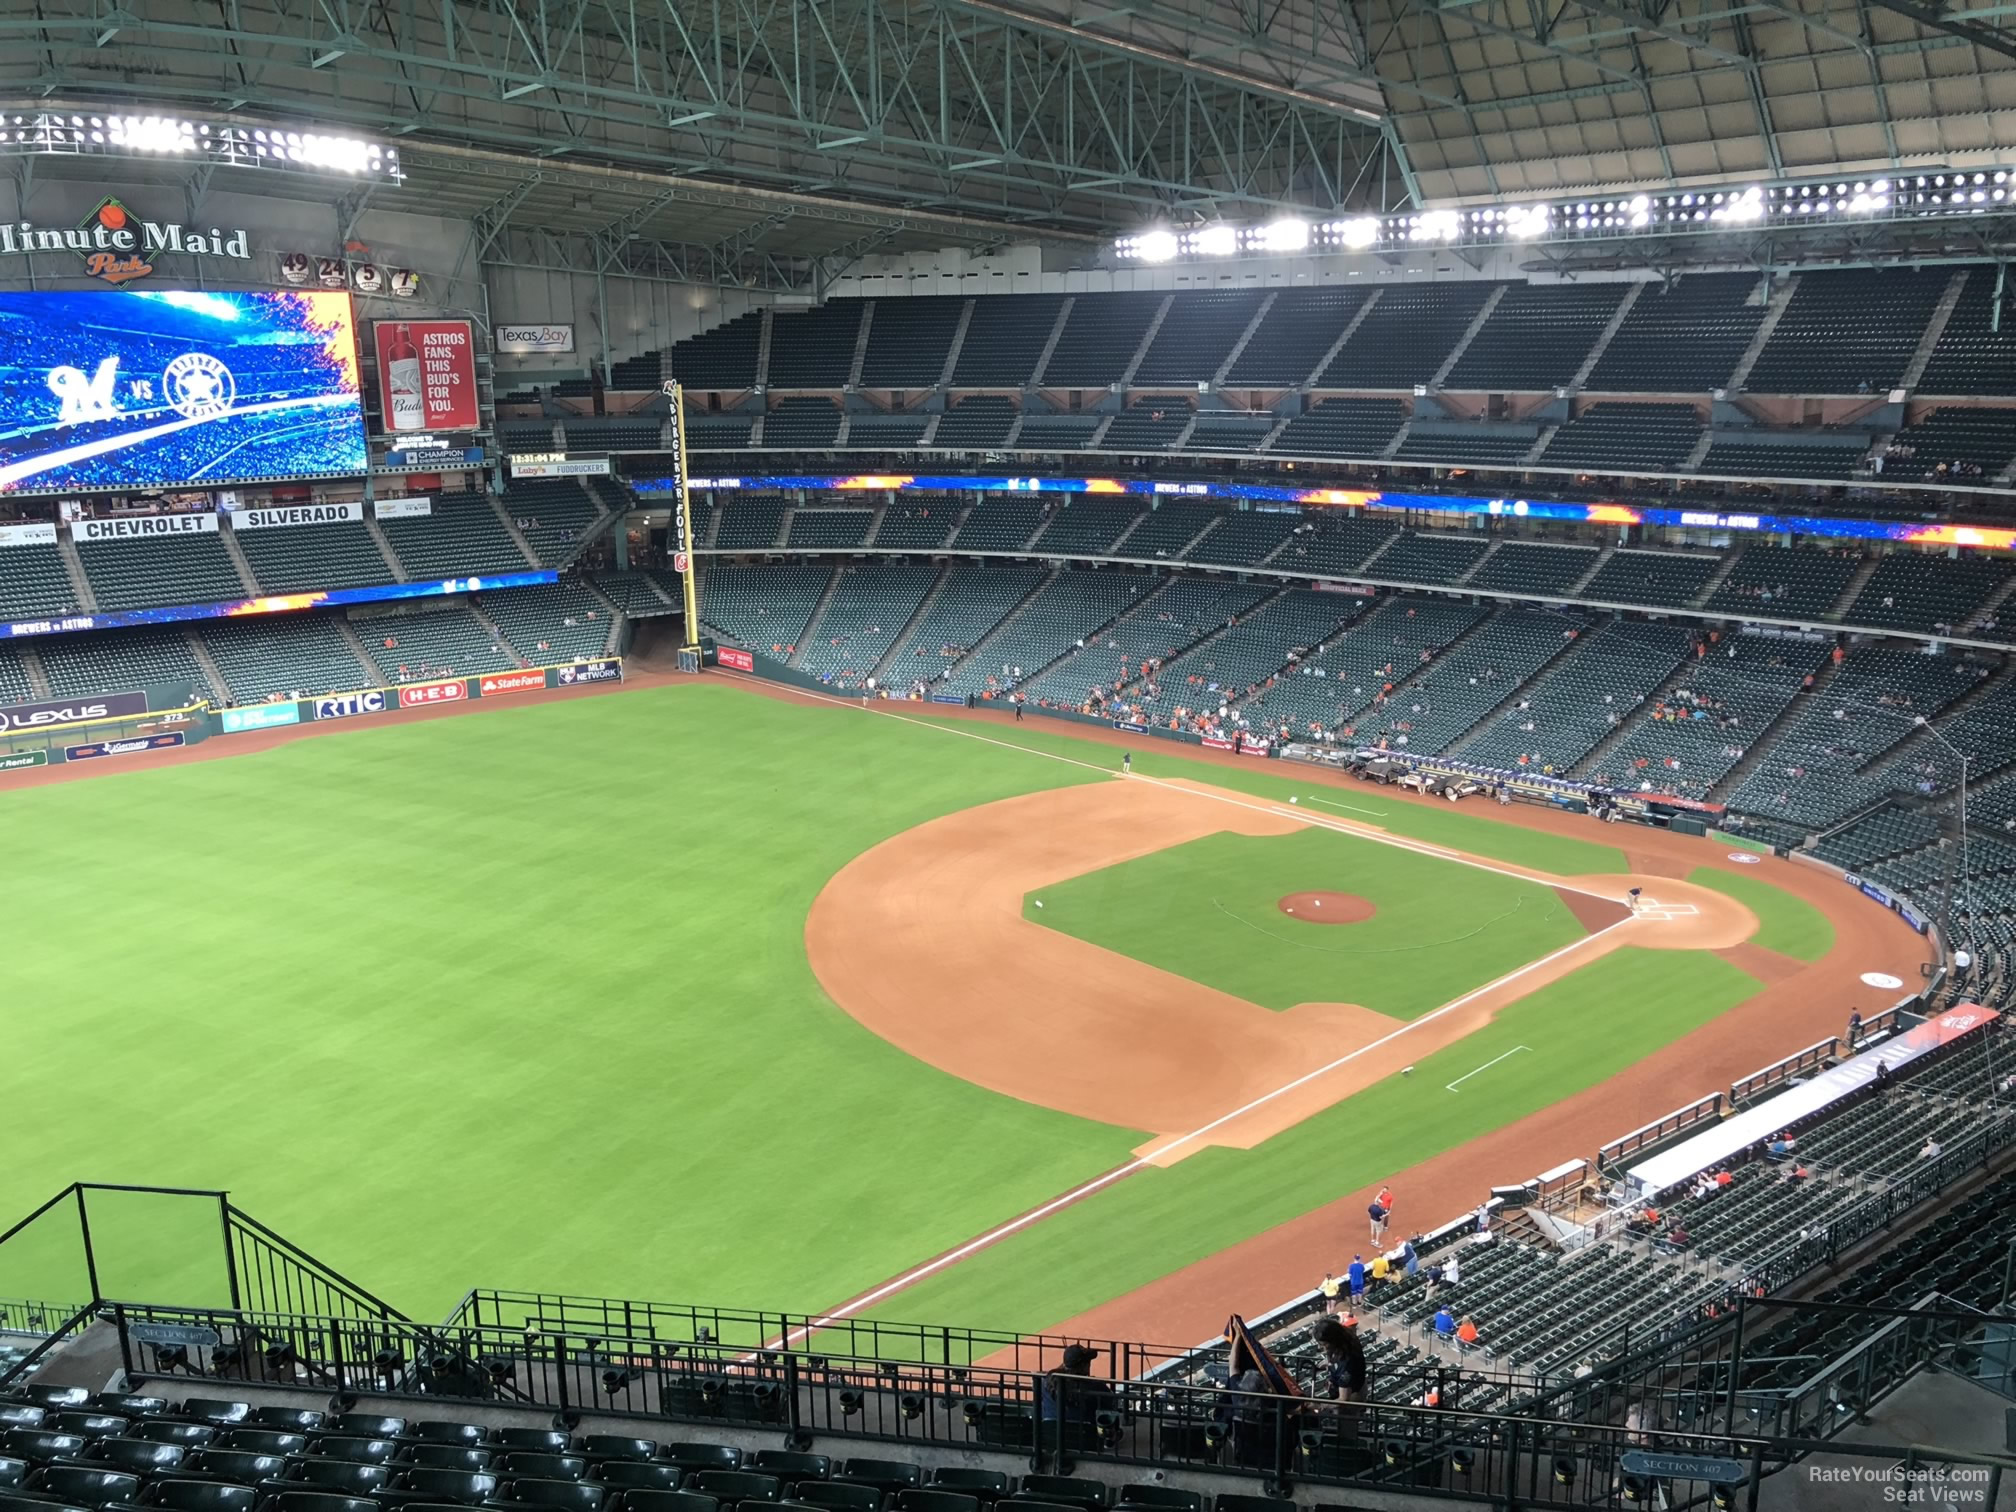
{"points": [[1652, 908]]}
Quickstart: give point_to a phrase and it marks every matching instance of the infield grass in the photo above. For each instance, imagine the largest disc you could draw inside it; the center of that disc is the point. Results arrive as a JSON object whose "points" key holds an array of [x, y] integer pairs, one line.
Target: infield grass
{"points": [[1787, 924], [1208, 910]]}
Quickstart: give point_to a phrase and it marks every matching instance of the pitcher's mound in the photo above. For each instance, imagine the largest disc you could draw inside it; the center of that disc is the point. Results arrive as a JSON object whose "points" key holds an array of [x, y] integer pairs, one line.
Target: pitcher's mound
{"points": [[1327, 907]]}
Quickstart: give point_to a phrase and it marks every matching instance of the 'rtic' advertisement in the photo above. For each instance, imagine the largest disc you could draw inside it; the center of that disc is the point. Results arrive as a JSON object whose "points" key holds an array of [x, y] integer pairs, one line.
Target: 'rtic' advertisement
{"points": [[419, 695], [347, 705]]}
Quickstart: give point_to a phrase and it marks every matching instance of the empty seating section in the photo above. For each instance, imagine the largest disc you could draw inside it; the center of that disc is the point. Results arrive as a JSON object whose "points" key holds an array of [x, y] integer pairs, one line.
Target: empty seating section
{"points": [[1875, 837], [1294, 335], [1689, 738], [191, 569], [1913, 590], [1335, 546], [1248, 653], [1972, 356], [1779, 582], [864, 615], [463, 535], [1196, 336], [631, 373], [1004, 338], [1069, 608], [1418, 558], [1245, 538], [979, 422], [1809, 772], [999, 524], [1848, 331], [1146, 425], [765, 609], [33, 582], [801, 421], [829, 527], [1619, 436], [724, 432], [974, 599], [1958, 443], [1755, 454], [1182, 612], [1329, 689], [1173, 525], [1048, 430], [1359, 428], [1099, 339], [1685, 337], [1527, 567], [1596, 686], [1474, 445], [552, 514], [438, 643], [303, 653], [722, 358], [616, 433], [1229, 431], [1652, 577], [526, 435], [814, 348], [536, 622], [909, 340], [298, 558], [750, 522], [1757, 1213], [1536, 337], [119, 663], [1085, 527], [14, 684], [1405, 337], [632, 593], [878, 432], [1467, 681], [915, 523]]}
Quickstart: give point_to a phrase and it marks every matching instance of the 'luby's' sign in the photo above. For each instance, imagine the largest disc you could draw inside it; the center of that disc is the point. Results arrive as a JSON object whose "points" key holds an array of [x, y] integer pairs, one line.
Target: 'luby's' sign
{"points": [[118, 246]]}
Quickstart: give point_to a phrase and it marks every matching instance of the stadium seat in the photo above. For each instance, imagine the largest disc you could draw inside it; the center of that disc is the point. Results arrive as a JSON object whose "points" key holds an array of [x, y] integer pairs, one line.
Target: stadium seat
{"points": [[136, 1456], [318, 1501], [1074, 1490], [436, 1431], [736, 1485], [651, 1499], [127, 1405], [214, 1410], [987, 1485], [563, 1467], [1142, 1494], [841, 1496], [264, 1441], [165, 1432], [21, 1415], [566, 1495], [887, 1476], [39, 1446], [84, 1485], [606, 1446], [12, 1472], [642, 1475], [181, 1494], [446, 1456], [467, 1487], [703, 1456], [792, 1464], [370, 1425], [363, 1451], [1230, 1501], [242, 1466], [936, 1501], [346, 1476], [10, 1502], [90, 1425]]}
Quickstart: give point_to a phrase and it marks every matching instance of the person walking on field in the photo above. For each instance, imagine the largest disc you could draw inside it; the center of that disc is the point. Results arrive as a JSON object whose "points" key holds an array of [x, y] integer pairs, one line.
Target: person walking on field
{"points": [[1127, 761], [1378, 1215]]}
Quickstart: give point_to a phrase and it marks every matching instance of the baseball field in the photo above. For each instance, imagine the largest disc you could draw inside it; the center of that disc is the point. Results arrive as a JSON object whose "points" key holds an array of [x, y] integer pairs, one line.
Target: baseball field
{"points": [[697, 991]]}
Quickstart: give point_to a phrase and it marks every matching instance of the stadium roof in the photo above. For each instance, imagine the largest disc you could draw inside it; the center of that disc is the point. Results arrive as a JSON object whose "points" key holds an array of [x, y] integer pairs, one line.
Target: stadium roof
{"points": [[736, 129]]}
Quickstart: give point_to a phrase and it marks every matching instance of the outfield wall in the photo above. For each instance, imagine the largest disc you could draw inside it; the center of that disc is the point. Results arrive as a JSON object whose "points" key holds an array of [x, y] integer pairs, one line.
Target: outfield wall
{"points": [[429, 694], [134, 722]]}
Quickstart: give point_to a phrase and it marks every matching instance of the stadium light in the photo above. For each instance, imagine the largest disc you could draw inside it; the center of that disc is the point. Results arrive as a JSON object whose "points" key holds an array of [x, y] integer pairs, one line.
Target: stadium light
{"points": [[1156, 246], [1525, 222], [93, 134], [1360, 233], [1217, 240], [1283, 236]]}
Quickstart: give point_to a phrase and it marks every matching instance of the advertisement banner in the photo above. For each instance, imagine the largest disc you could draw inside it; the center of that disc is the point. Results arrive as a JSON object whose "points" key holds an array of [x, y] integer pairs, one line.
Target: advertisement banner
{"points": [[523, 681], [590, 672], [348, 705], [43, 534], [944, 698], [1252, 747], [142, 527], [418, 695], [426, 375], [260, 717], [15, 761], [133, 747], [1130, 727], [297, 514], [1216, 743], [440, 458], [412, 507], [525, 340], [555, 465], [1912, 917], [62, 711], [742, 661]]}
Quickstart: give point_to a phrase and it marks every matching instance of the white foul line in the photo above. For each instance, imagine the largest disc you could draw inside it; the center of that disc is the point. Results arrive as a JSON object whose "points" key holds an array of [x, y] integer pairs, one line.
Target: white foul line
{"points": [[1452, 1086], [1352, 807], [1034, 1215]]}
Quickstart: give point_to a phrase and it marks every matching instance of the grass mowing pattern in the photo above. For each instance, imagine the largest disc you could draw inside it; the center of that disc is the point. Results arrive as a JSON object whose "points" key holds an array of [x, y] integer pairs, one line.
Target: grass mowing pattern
{"points": [[1208, 910], [1580, 1030], [1789, 925]]}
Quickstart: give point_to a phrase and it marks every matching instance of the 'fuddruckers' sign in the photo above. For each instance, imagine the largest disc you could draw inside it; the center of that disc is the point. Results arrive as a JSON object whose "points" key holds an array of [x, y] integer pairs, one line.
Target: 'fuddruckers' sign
{"points": [[117, 245]]}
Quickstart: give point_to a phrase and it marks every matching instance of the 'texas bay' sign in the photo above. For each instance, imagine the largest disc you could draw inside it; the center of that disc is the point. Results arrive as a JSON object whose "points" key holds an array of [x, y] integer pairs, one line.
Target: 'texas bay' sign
{"points": [[118, 245]]}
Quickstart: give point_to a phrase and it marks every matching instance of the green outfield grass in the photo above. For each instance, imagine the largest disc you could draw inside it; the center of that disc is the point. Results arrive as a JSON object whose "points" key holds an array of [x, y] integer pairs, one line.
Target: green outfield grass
{"points": [[1789, 925], [520, 999], [1208, 910], [1577, 1031]]}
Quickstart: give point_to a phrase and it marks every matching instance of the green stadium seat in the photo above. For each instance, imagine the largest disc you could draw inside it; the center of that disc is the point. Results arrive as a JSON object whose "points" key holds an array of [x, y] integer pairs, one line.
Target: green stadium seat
{"points": [[606, 1446], [264, 1441], [370, 1425], [651, 1499], [13, 1472], [564, 1467], [179, 1494], [21, 1415], [214, 1410], [127, 1405], [243, 1466], [1141, 1494], [838, 1495], [319, 1501], [737, 1485], [465, 1486], [565, 1495], [84, 1485], [136, 1456], [792, 1464], [187, 1434], [41, 1447], [436, 1431], [346, 1476], [936, 1501], [1072, 1489], [987, 1485], [703, 1456], [885, 1475], [638, 1475], [363, 1451], [446, 1456], [90, 1425]]}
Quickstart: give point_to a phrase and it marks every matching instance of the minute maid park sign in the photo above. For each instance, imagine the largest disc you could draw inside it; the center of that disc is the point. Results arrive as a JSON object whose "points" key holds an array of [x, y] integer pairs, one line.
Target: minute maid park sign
{"points": [[117, 246]]}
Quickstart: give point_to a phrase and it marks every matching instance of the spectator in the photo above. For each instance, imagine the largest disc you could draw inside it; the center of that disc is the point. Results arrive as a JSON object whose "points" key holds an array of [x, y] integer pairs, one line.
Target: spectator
{"points": [[1931, 1150], [1723, 1179], [1679, 1238], [1410, 1261], [1344, 1358], [1882, 1078], [1449, 1273], [1378, 1216], [1331, 1288], [1067, 1393], [1382, 1268], [1356, 1275], [1780, 1148], [1445, 1322], [1466, 1332], [1797, 1173]]}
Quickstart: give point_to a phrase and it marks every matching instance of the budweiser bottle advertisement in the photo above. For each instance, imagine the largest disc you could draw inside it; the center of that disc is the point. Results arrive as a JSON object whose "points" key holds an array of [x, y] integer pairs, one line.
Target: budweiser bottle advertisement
{"points": [[405, 405]]}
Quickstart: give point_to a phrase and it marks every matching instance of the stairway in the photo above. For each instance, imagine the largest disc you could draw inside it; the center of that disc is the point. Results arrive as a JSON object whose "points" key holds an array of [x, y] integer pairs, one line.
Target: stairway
{"points": [[80, 580], [1469, 335], [372, 676], [511, 528], [1839, 608], [1757, 751], [1218, 377], [1147, 340], [810, 634], [1584, 644], [1719, 576], [1600, 752], [1547, 434], [37, 674], [952, 356], [1478, 566], [237, 554], [930, 436], [1603, 340], [860, 350], [1092, 442], [900, 642], [1050, 344], [1364, 568], [384, 544], [214, 673], [1934, 329], [765, 325], [1773, 313], [1575, 588], [1699, 453], [982, 646], [1330, 356], [497, 635], [1183, 436]]}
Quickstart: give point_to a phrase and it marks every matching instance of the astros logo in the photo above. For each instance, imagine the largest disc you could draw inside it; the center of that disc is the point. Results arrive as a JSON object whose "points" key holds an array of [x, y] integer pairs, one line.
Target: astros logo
{"points": [[108, 232]]}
